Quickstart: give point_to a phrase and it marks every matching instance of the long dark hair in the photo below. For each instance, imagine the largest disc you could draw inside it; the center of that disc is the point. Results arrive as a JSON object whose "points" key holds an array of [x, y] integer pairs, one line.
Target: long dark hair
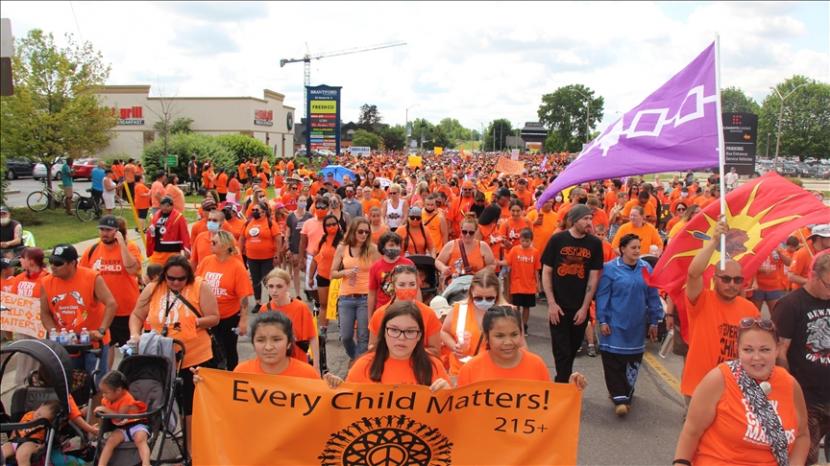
{"points": [[337, 238], [419, 360], [178, 261]]}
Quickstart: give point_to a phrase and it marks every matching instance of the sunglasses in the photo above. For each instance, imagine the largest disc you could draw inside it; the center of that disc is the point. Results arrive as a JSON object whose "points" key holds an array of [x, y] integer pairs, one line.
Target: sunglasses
{"points": [[363, 232], [320, 206], [176, 279], [726, 279], [763, 324], [468, 232], [681, 209], [415, 218], [330, 225], [403, 269], [57, 263]]}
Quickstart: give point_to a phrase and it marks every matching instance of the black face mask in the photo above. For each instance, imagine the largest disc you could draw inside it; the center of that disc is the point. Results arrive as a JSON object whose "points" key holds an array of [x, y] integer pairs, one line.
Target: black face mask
{"points": [[430, 210], [256, 214], [228, 214]]}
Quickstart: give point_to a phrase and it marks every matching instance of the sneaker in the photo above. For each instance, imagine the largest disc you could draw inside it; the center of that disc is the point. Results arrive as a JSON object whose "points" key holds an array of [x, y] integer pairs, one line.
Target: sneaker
{"points": [[525, 329], [592, 351], [621, 410]]}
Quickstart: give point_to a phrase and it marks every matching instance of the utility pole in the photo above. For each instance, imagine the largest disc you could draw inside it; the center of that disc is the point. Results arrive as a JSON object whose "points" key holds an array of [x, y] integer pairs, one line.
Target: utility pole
{"points": [[587, 115], [780, 117]]}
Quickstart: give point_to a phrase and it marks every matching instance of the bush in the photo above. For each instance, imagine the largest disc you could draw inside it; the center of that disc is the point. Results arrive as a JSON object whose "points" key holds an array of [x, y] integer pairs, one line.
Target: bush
{"points": [[243, 147], [185, 145]]}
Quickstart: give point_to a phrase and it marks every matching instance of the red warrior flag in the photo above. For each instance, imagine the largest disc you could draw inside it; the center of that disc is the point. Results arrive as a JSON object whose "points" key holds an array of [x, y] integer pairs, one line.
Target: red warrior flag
{"points": [[761, 215]]}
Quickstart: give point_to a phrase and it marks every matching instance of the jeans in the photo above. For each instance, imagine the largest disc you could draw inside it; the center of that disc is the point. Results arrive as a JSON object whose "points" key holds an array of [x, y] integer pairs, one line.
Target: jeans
{"points": [[259, 268], [226, 336], [349, 309], [566, 338]]}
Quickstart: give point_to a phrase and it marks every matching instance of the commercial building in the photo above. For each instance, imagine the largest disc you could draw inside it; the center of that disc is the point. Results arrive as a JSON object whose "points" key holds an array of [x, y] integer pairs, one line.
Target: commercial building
{"points": [[267, 119], [533, 134]]}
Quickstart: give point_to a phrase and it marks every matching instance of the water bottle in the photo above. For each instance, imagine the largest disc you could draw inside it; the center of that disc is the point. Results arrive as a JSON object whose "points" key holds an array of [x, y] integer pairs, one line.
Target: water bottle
{"points": [[664, 349], [73, 338], [63, 338], [53, 335], [84, 336]]}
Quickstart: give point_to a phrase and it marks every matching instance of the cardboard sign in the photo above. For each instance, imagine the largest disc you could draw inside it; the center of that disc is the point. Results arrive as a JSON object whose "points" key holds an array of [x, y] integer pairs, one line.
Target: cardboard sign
{"points": [[510, 167], [414, 161], [21, 314], [255, 419]]}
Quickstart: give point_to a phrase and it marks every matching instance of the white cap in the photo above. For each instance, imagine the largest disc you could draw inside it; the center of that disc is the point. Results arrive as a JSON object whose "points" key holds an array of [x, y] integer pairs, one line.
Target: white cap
{"points": [[821, 230]]}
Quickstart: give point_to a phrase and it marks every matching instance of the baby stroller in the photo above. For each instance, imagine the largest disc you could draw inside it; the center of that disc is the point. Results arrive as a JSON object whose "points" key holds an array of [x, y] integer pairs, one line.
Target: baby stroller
{"points": [[427, 274], [55, 369], [151, 379]]}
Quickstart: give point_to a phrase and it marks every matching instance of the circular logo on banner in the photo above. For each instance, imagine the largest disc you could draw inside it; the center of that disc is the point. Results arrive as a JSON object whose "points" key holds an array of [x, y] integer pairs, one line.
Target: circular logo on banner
{"points": [[387, 441], [289, 121]]}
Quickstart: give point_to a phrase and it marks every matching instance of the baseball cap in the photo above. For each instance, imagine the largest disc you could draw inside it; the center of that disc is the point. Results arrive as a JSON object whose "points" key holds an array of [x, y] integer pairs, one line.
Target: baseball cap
{"points": [[108, 221], [821, 230], [414, 211], [4, 209], [64, 252], [208, 203], [5, 263], [166, 200]]}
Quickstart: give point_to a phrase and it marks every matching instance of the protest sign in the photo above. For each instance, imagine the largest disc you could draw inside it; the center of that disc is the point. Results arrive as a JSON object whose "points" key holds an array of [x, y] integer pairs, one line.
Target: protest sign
{"points": [[21, 314], [414, 161], [510, 167], [303, 422]]}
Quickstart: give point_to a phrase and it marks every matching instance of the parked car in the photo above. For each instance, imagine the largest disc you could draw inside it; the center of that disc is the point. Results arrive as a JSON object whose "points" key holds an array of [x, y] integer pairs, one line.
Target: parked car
{"points": [[15, 168], [82, 168], [39, 172]]}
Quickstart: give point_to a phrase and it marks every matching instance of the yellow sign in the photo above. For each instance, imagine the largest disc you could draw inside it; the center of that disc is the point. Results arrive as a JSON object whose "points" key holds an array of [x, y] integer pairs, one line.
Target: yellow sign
{"points": [[323, 106], [438, 150], [414, 161]]}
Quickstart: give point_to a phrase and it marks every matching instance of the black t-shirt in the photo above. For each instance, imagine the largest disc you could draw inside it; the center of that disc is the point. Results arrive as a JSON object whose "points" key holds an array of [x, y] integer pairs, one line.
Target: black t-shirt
{"points": [[572, 259], [294, 225], [805, 320]]}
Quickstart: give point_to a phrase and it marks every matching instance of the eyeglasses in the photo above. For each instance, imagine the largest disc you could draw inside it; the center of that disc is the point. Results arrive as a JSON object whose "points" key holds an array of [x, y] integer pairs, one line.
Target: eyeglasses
{"points": [[320, 206], [726, 279], [763, 324], [408, 334], [468, 232], [176, 279], [363, 232]]}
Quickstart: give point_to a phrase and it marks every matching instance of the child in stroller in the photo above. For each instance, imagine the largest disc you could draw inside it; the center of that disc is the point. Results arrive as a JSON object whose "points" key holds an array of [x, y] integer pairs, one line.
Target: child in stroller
{"points": [[26, 442], [117, 399]]}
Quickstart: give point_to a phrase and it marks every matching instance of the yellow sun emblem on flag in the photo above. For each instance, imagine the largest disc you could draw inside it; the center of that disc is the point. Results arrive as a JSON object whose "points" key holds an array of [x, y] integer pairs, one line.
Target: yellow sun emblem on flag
{"points": [[744, 230]]}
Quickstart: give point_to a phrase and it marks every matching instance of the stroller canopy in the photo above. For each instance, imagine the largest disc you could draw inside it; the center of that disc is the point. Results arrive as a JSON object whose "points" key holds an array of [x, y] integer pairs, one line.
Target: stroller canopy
{"points": [[53, 359]]}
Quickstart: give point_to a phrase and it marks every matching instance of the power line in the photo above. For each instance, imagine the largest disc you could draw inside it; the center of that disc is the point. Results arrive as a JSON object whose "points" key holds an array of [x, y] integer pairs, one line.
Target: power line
{"points": [[77, 26]]}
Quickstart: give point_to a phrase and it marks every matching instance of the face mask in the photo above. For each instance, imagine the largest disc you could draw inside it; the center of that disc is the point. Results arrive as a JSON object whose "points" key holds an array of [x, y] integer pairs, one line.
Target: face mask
{"points": [[212, 226], [408, 294], [331, 230], [320, 214], [228, 214], [392, 253], [256, 214], [5, 221], [484, 304]]}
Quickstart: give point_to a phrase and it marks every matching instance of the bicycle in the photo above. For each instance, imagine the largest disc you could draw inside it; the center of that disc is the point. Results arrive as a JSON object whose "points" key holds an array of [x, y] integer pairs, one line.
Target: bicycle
{"points": [[89, 208], [48, 198]]}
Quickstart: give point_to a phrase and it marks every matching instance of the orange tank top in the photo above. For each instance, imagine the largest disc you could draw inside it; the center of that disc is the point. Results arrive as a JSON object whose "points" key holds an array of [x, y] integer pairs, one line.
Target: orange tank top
{"points": [[474, 259], [361, 282], [432, 224], [735, 436], [166, 311], [414, 240], [72, 302]]}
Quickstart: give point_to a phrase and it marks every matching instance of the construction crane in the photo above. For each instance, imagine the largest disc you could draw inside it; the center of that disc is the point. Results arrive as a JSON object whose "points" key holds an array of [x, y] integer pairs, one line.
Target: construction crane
{"points": [[308, 57]]}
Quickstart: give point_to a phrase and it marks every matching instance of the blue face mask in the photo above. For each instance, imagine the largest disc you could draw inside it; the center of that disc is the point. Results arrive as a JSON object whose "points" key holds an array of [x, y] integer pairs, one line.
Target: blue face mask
{"points": [[484, 304], [212, 226]]}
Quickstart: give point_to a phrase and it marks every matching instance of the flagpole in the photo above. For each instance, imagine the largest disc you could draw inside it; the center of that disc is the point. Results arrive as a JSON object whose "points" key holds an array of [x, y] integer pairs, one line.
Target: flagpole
{"points": [[721, 149]]}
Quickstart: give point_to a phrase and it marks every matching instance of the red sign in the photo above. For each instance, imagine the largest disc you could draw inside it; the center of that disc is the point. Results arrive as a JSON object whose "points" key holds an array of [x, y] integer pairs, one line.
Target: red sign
{"points": [[130, 116], [264, 117]]}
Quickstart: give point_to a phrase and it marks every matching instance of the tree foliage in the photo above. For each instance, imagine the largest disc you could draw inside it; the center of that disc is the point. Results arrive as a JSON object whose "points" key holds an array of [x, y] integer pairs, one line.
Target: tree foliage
{"points": [[394, 137], [454, 131], [495, 136], [362, 137], [369, 118], [805, 124], [564, 112], [243, 147], [733, 100], [204, 147], [55, 111], [181, 125]]}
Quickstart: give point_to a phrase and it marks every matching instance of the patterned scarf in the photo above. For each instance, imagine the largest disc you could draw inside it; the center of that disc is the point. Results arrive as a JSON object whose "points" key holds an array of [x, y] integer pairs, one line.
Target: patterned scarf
{"points": [[762, 408]]}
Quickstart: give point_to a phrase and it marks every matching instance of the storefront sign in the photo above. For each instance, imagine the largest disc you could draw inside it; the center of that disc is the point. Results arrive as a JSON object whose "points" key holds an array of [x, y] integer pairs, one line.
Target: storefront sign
{"points": [[264, 117], [739, 137], [323, 123], [132, 116]]}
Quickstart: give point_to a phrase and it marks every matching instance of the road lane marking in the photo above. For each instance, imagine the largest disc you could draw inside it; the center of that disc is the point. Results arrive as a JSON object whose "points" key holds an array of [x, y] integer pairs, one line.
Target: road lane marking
{"points": [[661, 370]]}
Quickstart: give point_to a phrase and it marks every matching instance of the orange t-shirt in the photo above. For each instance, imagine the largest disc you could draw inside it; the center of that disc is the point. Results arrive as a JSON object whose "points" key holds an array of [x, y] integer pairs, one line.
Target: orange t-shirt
{"points": [[511, 230], [72, 302], [142, 196], [599, 217], [730, 439], [127, 404], [235, 188], [432, 225], [650, 209], [474, 258], [770, 275], [242, 171], [296, 368], [431, 323], [34, 433], [324, 258], [802, 259], [23, 285], [713, 334], [302, 321], [118, 171], [482, 367], [543, 232], [228, 280], [377, 232], [260, 239], [222, 183], [129, 173], [202, 248], [395, 371], [648, 236], [523, 265], [208, 178], [368, 204], [526, 197], [106, 260]]}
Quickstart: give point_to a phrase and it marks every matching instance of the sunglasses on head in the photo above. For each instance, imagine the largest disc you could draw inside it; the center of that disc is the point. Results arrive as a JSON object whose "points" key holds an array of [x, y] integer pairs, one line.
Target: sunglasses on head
{"points": [[726, 279], [763, 324]]}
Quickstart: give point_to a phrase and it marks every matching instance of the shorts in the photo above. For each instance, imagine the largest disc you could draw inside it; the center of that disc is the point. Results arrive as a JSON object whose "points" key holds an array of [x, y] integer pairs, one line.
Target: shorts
{"points": [[322, 281], [120, 330], [524, 300], [129, 432], [142, 214], [767, 295]]}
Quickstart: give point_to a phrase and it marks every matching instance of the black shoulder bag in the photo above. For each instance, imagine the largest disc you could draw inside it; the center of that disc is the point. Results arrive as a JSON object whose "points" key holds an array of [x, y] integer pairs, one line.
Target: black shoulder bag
{"points": [[219, 358]]}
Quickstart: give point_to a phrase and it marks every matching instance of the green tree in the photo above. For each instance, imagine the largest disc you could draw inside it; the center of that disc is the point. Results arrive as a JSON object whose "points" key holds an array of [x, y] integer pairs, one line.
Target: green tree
{"points": [[365, 138], [204, 147], [422, 133], [243, 147], [369, 118], [570, 112], [805, 122], [441, 139], [394, 137], [733, 100], [454, 131], [55, 111], [181, 125], [475, 135], [495, 136]]}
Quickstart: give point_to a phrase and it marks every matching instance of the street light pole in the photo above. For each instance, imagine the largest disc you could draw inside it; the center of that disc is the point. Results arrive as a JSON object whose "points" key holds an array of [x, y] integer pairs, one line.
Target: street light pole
{"points": [[587, 115], [406, 126], [780, 117]]}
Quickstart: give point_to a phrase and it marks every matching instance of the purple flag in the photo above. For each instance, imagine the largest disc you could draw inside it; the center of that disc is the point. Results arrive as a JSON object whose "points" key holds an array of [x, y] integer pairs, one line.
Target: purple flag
{"points": [[673, 129], [544, 165]]}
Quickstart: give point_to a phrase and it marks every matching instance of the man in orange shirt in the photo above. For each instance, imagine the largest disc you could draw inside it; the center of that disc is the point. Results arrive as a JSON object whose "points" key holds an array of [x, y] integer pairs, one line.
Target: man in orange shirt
{"points": [[714, 315], [648, 205], [222, 185], [141, 200], [119, 263], [523, 194], [800, 267], [368, 201]]}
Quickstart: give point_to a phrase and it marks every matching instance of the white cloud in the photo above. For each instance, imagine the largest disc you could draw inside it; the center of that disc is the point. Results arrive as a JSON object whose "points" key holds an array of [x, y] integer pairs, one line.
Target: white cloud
{"points": [[471, 61]]}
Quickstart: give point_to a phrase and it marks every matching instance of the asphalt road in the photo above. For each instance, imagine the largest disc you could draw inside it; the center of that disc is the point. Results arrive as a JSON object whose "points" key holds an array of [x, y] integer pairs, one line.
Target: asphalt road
{"points": [[18, 190]]}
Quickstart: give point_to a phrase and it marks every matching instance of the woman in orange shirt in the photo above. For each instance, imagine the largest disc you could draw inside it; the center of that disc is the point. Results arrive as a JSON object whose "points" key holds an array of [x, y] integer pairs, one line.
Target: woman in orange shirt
{"points": [[415, 240], [278, 285], [321, 263], [511, 229], [746, 411], [224, 272], [400, 358], [259, 245], [476, 254], [141, 200], [375, 223], [506, 357]]}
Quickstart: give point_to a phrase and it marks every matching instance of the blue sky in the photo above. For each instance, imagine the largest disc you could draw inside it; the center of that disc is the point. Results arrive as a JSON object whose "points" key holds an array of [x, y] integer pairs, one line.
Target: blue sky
{"points": [[472, 61]]}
